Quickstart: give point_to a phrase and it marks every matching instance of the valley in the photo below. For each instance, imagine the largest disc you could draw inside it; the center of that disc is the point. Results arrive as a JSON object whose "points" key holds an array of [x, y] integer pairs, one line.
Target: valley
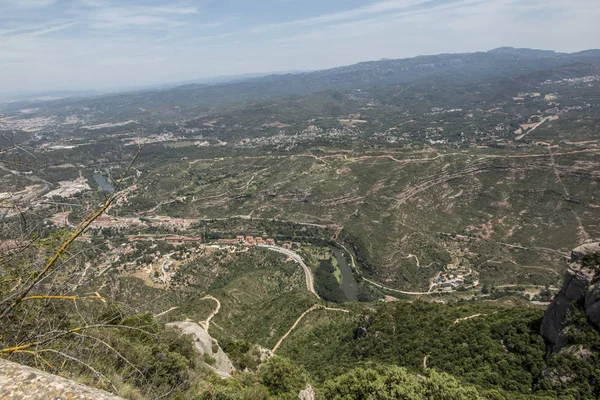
{"points": [[417, 214]]}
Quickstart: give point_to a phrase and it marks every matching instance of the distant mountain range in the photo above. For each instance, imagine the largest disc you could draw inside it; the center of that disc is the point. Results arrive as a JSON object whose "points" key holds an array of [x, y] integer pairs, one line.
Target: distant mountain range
{"points": [[45, 96], [463, 68], [223, 79]]}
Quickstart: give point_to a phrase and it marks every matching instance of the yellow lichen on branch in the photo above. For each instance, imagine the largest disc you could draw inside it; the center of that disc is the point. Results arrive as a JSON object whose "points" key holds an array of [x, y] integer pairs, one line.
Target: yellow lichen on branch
{"points": [[20, 349], [73, 298], [61, 334]]}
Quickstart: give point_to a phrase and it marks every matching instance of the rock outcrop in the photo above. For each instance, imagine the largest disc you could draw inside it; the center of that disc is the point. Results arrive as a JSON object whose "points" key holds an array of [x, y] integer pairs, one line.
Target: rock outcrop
{"points": [[264, 353], [207, 346], [307, 394], [19, 382], [581, 285]]}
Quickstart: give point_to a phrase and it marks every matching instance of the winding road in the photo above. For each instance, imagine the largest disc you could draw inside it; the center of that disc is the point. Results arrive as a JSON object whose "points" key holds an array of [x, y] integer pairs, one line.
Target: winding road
{"points": [[206, 323], [310, 280]]}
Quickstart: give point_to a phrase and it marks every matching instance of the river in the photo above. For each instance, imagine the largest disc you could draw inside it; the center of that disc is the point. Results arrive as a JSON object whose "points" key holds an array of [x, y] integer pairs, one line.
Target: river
{"points": [[349, 285], [101, 180]]}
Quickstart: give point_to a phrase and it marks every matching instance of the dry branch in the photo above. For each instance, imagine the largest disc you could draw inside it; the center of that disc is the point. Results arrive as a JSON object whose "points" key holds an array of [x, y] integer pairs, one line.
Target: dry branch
{"points": [[63, 248], [73, 298]]}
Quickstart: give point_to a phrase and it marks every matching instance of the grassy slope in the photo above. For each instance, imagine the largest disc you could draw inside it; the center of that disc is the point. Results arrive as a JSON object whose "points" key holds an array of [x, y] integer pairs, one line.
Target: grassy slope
{"points": [[499, 350], [393, 208], [261, 296]]}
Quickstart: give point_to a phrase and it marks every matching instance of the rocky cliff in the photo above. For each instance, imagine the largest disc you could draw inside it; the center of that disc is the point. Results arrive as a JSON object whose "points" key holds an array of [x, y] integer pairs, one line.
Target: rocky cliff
{"points": [[581, 287], [207, 346], [20, 382]]}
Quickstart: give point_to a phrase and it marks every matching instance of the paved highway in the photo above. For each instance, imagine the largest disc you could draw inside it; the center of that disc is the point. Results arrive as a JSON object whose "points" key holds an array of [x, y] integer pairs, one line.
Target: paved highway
{"points": [[310, 281]]}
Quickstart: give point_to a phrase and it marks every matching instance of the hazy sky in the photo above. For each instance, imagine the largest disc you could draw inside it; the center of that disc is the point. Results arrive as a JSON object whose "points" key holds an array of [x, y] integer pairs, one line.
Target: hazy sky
{"points": [[108, 44]]}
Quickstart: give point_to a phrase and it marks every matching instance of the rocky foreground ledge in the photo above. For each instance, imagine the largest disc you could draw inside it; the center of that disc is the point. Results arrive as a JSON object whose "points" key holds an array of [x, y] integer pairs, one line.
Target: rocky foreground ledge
{"points": [[19, 382]]}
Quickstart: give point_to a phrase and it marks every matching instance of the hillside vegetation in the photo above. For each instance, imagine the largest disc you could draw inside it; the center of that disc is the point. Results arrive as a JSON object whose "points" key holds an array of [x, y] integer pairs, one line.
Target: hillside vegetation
{"points": [[454, 186]]}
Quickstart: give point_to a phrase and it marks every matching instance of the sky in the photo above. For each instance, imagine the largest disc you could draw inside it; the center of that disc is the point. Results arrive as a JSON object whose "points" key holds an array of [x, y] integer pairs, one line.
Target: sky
{"points": [[49, 45]]}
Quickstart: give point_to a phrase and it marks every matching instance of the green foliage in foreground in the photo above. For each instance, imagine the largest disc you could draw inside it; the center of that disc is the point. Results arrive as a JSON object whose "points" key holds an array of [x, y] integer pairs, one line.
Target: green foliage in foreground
{"points": [[283, 377], [376, 351], [280, 378], [133, 355], [390, 383], [500, 349], [575, 370]]}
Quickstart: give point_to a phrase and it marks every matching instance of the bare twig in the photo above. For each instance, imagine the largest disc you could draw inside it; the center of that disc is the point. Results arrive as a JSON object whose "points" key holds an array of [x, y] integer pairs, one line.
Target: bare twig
{"points": [[114, 350], [74, 298], [98, 374], [58, 334]]}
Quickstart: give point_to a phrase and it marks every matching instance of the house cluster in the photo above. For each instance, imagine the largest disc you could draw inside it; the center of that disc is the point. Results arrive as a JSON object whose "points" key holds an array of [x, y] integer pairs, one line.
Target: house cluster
{"points": [[181, 240], [107, 221], [169, 222], [448, 282], [246, 241], [175, 240]]}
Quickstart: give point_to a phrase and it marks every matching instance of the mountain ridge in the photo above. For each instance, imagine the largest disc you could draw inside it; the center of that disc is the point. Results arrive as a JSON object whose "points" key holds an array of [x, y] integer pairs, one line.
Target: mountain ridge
{"points": [[461, 67]]}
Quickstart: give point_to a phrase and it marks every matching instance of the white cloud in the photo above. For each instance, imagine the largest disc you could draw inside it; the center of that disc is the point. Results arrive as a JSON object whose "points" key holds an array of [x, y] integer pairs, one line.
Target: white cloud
{"points": [[36, 30], [174, 10], [111, 17], [51, 29], [26, 3], [376, 8]]}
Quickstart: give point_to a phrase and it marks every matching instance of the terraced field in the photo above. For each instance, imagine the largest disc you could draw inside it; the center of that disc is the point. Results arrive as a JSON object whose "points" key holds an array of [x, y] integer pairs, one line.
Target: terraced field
{"points": [[512, 216]]}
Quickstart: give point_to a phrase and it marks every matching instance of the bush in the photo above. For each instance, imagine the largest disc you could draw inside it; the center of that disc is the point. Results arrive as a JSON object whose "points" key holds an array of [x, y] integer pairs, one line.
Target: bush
{"points": [[387, 383], [283, 378]]}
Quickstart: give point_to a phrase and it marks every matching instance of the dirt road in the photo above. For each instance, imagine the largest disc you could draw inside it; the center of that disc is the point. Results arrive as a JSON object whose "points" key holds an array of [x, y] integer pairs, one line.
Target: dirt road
{"points": [[164, 312], [534, 128], [315, 307], [206, 323], [459, 320]]}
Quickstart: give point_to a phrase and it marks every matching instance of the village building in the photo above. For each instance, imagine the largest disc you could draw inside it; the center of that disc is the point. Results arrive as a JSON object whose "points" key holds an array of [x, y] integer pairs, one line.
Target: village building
{"points": [[228, 242], [179, 240]]}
